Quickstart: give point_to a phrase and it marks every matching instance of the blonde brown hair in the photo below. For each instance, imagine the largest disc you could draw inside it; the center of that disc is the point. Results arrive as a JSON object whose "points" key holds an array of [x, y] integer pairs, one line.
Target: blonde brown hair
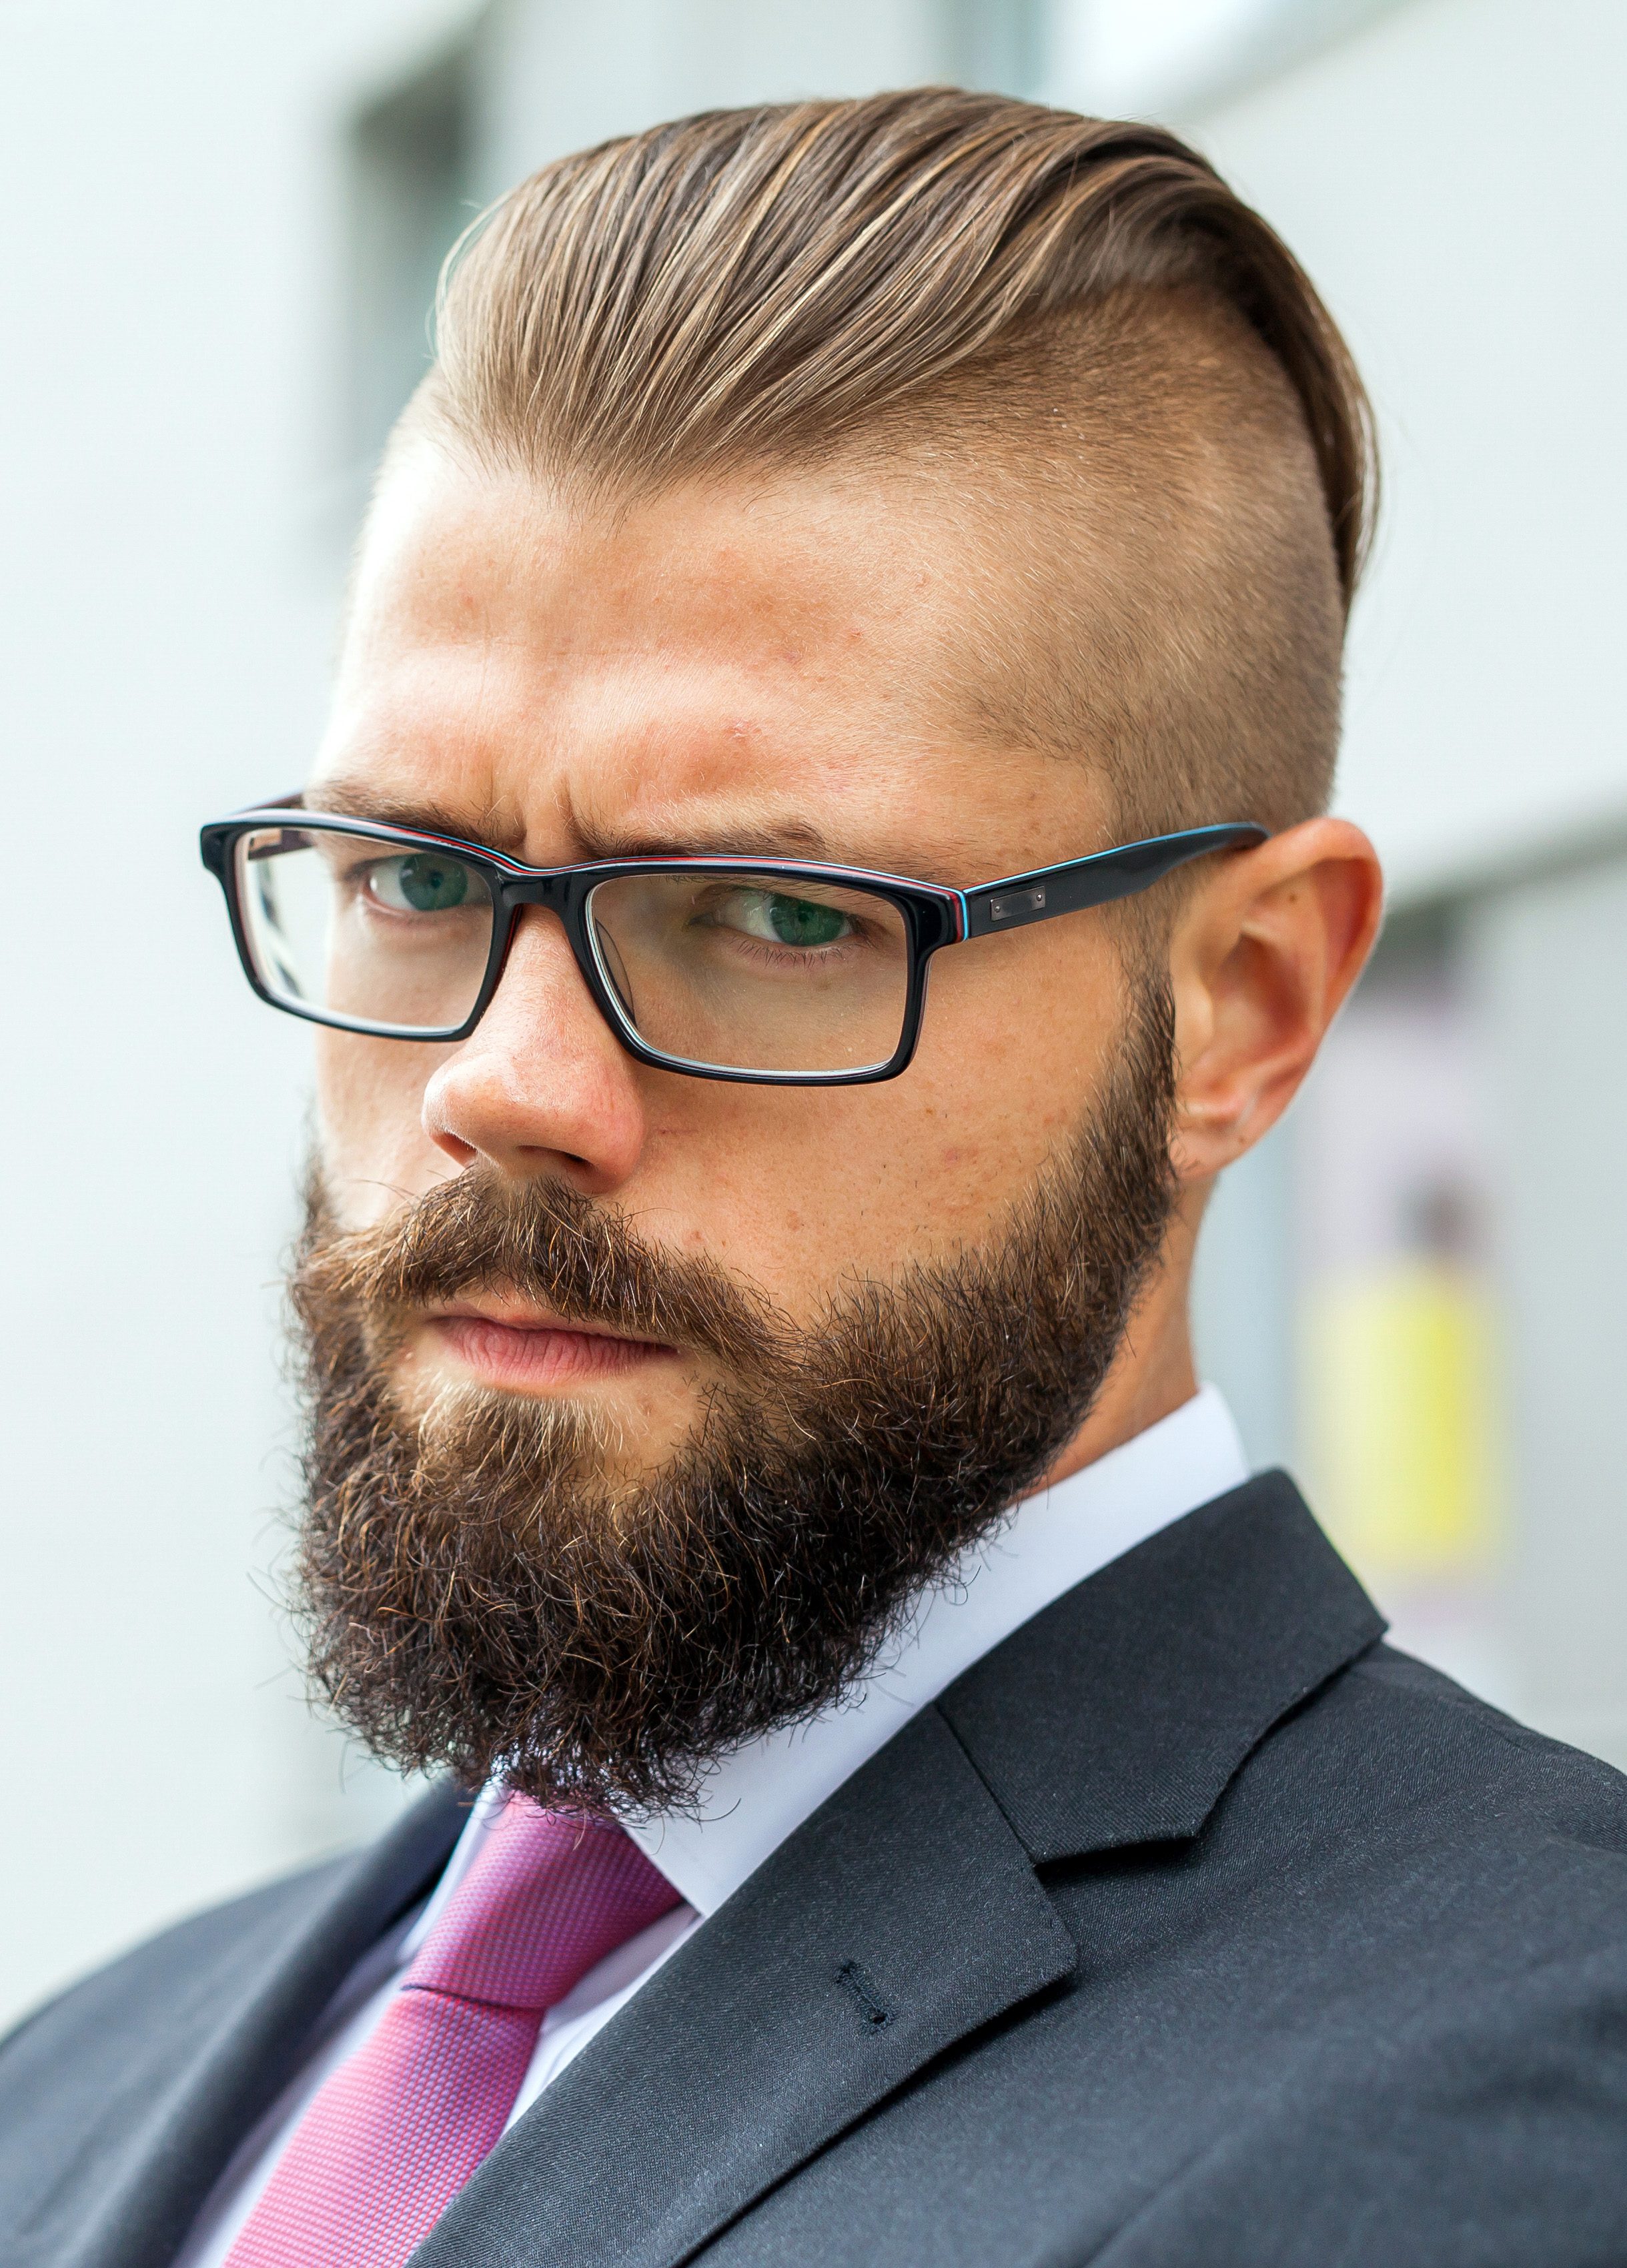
{"points": [[1082, 308]]}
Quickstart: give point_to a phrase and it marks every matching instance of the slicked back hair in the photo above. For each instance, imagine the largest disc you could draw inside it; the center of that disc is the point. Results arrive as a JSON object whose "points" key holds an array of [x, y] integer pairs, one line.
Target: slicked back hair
{"points": [[1081, 319]]}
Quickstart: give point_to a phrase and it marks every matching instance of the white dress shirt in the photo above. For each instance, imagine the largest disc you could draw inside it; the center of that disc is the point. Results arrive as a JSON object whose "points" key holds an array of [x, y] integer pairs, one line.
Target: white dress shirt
{"points": [[759, 1794]]}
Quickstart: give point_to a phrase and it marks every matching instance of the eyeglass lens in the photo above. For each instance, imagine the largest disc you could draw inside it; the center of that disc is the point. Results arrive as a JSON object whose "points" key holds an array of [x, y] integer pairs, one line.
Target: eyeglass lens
{"points": [[721, 970], [754, 972]]}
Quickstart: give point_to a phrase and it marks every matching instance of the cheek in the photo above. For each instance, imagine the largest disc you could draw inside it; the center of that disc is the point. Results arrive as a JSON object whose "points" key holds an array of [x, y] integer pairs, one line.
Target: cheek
{"points": [[802, 1190], [1018, 1042], [369, 1100]]}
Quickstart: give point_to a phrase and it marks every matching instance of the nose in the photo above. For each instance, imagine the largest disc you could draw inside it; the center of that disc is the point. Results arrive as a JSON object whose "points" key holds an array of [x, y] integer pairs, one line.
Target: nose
{"points": [[540, 1086]]}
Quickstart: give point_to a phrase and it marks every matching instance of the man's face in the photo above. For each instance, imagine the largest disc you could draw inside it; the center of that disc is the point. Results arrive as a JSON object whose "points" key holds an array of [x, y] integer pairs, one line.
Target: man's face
{"points": [[777, 667]]}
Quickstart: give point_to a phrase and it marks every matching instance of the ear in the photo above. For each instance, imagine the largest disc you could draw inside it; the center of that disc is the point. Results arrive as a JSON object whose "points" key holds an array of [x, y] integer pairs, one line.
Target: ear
{"points": [[1263, 954]]}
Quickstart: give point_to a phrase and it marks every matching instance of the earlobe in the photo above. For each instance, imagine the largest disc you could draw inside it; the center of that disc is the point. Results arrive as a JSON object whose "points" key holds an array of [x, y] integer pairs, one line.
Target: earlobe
{"points": [[1263, 958]]}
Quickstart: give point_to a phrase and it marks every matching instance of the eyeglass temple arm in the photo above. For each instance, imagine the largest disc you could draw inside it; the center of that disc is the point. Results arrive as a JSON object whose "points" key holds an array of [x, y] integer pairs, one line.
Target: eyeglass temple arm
{"points": [[1098, 881]]}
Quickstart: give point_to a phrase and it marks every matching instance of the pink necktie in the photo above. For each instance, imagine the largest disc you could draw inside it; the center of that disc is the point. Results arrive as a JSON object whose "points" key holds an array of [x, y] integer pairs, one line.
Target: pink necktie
{"points": [[394, 2133]]}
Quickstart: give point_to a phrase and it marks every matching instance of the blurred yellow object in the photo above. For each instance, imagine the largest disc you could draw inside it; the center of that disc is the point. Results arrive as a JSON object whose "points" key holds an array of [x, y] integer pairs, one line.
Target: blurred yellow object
{"points": [[1400, 1411]]}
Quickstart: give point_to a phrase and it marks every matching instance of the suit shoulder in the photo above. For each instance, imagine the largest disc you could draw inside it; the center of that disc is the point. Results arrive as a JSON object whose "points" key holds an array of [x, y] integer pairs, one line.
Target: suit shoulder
{"points": [[172, 1962], [1393, 1771], [166, 2056], [1458, 1734]]}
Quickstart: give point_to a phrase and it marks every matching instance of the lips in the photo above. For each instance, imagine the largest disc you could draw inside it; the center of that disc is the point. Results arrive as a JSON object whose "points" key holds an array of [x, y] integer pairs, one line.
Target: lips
{"points": [[531, 1354]]}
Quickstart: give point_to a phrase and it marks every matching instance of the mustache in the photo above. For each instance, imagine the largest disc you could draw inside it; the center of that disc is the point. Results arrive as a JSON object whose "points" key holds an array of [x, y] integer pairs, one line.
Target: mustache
{"points": [[541, 1241]]}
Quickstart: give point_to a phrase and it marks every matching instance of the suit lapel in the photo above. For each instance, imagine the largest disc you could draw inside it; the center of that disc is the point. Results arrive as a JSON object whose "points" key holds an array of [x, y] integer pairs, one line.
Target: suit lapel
{"points": [[901, 1917], [906, 1913], [1120, 1714], [221, 2058]]}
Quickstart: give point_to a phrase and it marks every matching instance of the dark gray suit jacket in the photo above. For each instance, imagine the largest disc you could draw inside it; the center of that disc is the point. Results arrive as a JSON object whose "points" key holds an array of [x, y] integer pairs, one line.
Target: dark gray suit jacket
{"points": [[1192, 1926]]}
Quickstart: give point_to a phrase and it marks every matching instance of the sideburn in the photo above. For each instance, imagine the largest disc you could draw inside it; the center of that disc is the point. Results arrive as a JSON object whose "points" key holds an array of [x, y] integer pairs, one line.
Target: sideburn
{"points": [[478, 1600]]}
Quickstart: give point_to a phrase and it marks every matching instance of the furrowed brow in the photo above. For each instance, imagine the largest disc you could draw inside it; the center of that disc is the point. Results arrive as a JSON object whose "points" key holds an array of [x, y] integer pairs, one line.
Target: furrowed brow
{"points": [[348, 798], [790, 838]]}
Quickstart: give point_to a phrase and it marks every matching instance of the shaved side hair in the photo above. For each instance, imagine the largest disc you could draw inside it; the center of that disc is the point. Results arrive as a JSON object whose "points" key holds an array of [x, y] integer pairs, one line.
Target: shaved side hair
{"points": [[1072, 329]]}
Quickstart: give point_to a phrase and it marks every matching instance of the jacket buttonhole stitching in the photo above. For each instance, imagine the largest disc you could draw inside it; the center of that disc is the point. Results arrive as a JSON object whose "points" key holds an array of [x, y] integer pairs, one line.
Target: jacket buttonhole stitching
{"points": [[874, 2010]]}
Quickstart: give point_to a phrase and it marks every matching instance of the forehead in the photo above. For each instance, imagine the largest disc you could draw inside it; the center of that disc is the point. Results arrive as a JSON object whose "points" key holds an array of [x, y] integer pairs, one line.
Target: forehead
{"points": [[723, 660]]}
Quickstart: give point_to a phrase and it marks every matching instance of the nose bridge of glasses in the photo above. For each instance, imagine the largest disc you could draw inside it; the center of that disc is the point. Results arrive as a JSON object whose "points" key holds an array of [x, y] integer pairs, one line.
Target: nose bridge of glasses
{"points": [[537, 953], [535, 889]]}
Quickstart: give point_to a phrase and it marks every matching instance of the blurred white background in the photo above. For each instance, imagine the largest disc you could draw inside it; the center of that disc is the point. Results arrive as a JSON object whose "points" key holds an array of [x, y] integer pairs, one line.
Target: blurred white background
{"points": [[224, 225]]}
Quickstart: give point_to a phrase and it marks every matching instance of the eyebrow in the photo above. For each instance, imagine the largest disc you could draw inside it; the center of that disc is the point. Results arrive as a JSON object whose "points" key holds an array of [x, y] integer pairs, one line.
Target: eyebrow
{"points": [[790, 838], [352, 800]]}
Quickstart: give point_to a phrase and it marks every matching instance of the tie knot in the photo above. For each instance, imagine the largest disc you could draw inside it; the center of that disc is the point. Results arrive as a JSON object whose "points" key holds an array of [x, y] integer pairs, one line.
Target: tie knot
{"points": [[547, 1896]]}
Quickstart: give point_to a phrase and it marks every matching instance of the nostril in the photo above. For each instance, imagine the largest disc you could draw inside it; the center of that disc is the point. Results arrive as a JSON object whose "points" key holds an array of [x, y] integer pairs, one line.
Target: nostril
{"points": [[560, 1156], [464, 1154]]}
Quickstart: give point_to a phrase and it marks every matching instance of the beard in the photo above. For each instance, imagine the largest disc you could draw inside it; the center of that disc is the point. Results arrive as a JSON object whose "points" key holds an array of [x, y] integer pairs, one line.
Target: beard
{"points": [[478, 1595]]}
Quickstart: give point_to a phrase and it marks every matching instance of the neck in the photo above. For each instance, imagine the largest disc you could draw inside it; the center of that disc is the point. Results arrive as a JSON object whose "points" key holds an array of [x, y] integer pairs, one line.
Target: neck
{"points": [[1153, 1373]]}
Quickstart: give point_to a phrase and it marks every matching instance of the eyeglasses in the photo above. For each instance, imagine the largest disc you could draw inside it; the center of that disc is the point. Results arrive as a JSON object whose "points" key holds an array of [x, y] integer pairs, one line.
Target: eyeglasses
{"points": [[765, 970]]}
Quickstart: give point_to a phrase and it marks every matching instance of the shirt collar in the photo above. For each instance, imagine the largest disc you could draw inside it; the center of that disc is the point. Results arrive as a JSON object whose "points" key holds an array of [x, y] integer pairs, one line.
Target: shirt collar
{"points": [[760, 1794]]}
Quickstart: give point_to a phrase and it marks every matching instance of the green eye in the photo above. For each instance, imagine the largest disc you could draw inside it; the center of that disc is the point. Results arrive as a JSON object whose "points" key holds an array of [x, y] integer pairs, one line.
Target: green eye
{"points": [[421, 884], [774, 917], [800, 921]]}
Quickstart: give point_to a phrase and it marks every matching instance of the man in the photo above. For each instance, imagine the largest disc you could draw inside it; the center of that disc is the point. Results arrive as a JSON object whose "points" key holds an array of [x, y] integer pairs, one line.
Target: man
{"points": [[907, 1794]]}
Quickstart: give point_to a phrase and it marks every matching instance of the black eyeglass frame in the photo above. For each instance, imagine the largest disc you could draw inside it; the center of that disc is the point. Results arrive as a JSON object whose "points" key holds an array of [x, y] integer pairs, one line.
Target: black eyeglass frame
{"points": [[934, 915]]}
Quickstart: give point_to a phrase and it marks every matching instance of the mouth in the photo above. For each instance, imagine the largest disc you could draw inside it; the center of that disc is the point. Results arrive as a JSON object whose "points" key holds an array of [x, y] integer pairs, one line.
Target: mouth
{"points": [[526, 1350]]}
